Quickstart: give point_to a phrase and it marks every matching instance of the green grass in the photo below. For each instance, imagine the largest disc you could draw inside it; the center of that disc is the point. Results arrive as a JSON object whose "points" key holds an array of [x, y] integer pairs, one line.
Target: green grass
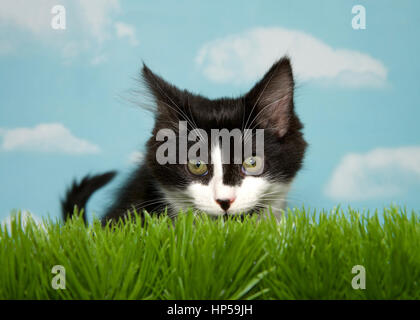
{"points": [[307, 256]]}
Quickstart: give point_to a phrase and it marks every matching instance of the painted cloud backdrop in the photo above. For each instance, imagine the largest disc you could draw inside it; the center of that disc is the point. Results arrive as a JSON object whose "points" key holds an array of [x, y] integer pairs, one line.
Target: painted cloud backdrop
{"points": [[245, 57], [62, 115]]}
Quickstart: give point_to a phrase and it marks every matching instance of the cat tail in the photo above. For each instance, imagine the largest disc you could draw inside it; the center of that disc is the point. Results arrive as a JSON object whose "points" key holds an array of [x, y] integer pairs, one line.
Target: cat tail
{"points": [[79, 193]]}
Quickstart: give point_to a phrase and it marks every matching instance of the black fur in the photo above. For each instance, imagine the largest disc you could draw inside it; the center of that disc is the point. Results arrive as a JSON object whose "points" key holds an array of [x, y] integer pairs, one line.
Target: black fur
{"points": [[79, 193], [268, 105]]}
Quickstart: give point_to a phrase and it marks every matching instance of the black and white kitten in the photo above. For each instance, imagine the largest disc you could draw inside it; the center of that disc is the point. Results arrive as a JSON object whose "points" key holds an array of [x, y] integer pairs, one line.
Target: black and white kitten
{"points": [[214, 187]]}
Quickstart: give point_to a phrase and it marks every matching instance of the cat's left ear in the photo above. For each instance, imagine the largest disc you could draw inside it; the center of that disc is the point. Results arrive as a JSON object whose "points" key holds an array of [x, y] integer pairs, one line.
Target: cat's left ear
{"points": [[272, 98]]}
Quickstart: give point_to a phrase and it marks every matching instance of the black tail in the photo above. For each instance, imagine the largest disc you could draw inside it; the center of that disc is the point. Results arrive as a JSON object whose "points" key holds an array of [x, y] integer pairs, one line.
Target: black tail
{"points": [[79, 193]]}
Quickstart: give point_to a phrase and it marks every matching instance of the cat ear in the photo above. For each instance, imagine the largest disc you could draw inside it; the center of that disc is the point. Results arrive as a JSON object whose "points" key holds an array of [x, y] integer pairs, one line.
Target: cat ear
{"points": [[167, 97], [272, 98]]}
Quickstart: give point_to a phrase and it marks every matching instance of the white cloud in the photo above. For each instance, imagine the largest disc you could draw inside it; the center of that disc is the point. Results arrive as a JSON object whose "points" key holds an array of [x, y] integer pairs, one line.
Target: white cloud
{"points": [[97, 16], [89, 23], [245, 57], [99, 60], [70, 50], [35, 16], [136, 157], [47, 137], [124, 30], [382, 172], [25, 217]]}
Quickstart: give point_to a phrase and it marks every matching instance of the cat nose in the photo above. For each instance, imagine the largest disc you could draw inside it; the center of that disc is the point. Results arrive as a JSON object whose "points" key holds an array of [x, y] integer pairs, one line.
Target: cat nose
{"points": [[225, 203]]}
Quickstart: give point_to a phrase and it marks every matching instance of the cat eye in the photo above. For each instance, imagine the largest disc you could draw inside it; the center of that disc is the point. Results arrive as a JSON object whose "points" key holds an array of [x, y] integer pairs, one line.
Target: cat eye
{"points": [[197, 167], [252, 165]]}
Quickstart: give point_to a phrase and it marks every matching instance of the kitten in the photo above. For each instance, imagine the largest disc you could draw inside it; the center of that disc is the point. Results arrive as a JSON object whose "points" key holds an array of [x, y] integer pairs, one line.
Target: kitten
{"points": [[215, 187]]}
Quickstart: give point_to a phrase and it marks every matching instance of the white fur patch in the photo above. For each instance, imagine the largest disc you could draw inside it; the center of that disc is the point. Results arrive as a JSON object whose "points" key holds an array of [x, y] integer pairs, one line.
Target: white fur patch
{"points": [[254, 191]]}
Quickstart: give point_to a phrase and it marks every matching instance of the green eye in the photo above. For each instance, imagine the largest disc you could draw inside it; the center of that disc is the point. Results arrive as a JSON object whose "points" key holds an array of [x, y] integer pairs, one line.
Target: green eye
{"points": [[197, 167], [252, 165]]}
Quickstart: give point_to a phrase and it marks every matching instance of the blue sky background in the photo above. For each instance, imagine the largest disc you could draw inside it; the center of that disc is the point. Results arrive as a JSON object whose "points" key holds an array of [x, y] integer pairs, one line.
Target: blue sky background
{"points": [[361, 124]]}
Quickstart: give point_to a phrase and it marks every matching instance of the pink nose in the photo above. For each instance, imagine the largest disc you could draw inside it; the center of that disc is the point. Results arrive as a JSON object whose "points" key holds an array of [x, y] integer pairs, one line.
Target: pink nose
{"points": [[225, 203]]}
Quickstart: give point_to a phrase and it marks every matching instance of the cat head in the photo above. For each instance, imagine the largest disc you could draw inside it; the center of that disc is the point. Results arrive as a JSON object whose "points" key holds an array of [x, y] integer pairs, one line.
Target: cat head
{"points": [[220, 179]]}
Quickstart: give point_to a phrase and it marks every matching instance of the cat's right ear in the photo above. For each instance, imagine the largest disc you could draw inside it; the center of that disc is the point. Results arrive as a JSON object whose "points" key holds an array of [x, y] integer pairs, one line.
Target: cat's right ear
{"points": [[166, 96], [271, 99]]}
